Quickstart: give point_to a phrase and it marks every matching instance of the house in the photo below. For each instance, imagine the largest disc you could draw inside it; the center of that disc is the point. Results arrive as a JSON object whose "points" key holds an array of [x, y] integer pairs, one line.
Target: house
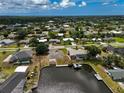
{"points": [[77, 54], [24, 41], [109, 48], [68, 39], [116, 74], [60, 34], [12, 36], [115, 32], [85, 39], [66, 26], [6, 42], [55, 41], [42, 40], [23, 56], [119, 51]]}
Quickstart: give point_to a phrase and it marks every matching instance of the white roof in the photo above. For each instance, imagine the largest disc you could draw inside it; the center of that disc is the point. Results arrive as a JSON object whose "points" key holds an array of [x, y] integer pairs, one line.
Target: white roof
{"points": [[21, 69], [94, 39], [116, 32], [66, 25], [66, 39], [43, 40], [60, 34], [76, 52]]}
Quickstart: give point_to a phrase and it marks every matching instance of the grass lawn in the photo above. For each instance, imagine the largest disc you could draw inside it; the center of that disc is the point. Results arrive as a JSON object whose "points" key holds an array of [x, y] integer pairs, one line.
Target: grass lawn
{"points": [[7, 71], [107, 79], [118, 39], [14, 46], [65, 51]]}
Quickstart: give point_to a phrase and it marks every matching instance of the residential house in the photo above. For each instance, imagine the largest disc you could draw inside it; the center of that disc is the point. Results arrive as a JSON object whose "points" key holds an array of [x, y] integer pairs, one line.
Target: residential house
{"points": [[116, 74], [21, 57], [54, 41], [6, 42], [68, 39], [77, 54]]}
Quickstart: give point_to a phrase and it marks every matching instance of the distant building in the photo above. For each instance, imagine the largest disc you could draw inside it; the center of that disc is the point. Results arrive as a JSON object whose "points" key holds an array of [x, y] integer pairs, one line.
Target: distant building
{"points": [[60, 34], [68, 39], [6, 42], [55, 41], [42, 40]]}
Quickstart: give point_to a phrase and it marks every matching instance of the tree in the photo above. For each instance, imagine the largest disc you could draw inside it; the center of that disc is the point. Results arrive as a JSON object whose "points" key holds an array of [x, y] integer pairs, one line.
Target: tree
{"points": [[21, 35], [114, 59], [33, 42], [41, 49], [5, 34], [93, 51], [52, 35]]}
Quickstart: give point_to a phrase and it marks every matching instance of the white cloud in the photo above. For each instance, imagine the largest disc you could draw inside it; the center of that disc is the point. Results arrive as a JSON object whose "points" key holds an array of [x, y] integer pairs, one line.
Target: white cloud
{"points": [[67, 3], [83, 4], [105, 3], [44, 2], [1, 4], [30, 4], [115, 5]]}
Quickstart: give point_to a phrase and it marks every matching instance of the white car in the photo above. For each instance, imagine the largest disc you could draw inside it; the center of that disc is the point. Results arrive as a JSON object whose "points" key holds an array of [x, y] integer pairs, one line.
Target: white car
{"points": [[77, 66]]}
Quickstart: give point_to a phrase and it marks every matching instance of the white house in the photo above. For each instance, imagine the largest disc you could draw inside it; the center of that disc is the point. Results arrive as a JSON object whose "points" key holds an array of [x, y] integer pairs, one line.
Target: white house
{"points": [[68, 39], [42, 40], [60, 34]]}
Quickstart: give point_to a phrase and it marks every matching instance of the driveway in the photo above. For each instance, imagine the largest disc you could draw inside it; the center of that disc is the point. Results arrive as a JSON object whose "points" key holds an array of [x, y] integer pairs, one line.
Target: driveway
{"points": [[10, 84], [68, 80]]}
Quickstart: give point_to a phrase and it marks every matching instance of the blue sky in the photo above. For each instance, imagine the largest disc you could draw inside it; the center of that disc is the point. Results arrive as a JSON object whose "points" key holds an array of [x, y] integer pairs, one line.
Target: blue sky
{"points": [[61, 7]]}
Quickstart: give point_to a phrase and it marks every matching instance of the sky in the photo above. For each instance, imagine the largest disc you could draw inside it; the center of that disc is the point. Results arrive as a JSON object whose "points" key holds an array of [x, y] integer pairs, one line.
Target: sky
{"points": [[61, 7]]}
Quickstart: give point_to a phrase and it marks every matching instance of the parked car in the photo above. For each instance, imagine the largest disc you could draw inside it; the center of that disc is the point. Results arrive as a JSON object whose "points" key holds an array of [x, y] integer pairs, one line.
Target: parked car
{"points": [[77, 66]]}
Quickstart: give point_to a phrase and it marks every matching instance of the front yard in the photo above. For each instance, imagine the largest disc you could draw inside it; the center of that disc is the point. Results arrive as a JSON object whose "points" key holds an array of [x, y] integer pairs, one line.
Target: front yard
{"points": [[118, 39], [5, 71]]}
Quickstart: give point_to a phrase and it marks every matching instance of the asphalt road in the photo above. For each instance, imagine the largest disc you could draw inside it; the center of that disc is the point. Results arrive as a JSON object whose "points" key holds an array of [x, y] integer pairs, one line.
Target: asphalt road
{"points": [[9, 85], [68, 80]]}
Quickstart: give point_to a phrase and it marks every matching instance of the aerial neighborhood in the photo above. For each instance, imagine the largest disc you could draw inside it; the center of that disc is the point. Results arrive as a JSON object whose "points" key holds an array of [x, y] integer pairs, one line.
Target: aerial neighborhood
{"points": [[34, 50]]}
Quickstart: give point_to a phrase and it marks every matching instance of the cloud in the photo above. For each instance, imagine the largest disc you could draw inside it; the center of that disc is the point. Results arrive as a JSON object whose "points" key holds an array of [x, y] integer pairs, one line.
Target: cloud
{"points": [[83, 4], [30, 4], [115, 4], [44, 2], [105, 3], [67, 3]]}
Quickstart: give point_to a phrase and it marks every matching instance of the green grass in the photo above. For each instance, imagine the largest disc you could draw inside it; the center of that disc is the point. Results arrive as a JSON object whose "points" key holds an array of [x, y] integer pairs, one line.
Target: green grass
{"points": [[106, 78], [64, 51], [118, 39], [14, 46], [3, 56], [6, 70]]}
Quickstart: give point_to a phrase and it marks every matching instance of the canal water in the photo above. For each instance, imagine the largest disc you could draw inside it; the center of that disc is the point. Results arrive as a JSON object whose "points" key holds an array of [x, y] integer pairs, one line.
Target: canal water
{"points": [[69, 80]]}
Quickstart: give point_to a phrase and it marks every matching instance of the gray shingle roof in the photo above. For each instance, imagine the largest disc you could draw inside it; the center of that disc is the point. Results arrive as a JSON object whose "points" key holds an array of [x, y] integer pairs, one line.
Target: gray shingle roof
{"points": [[117, 74], [21, 55], [7, 41]]}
